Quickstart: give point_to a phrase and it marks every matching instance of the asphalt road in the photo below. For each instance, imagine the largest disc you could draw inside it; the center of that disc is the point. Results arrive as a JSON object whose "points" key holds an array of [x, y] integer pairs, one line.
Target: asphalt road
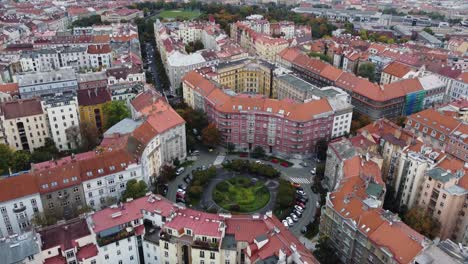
{"points": [[152, 65], [297, 173]]}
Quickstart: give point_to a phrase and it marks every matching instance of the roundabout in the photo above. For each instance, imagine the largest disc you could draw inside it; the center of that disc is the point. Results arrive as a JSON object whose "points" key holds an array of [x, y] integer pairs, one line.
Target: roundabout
{"points": [[241, 194]]}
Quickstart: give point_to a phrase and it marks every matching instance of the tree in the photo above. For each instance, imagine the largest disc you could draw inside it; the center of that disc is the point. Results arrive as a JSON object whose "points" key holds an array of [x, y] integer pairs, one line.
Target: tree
{"points": [[176, 162], [135, 189], [230, 147], [44, 219], [73, 136], [359, 121], [258, 152], [367, 70], [320, 56], [115, 111], [211, 135], [401, 121], [21, 161], [6, 156], [168, 173], [47, 152], [418, 219], [321, 148], [325, 252], [428, 30], [89, 136]]}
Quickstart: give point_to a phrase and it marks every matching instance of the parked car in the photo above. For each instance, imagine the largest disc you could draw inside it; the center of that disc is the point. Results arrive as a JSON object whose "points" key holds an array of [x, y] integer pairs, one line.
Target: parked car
{"points": [[182, 186], [300, 204], [243, 155], [180, 171], [290, 221], [297, 212], [285, 223], [300, 192], [299, 208], [274, 161], [188, 178], [313, 171], [195, 153], [284, 164], [302, 200], [295, 185], [294, 217], [304, 164], [180, 200], [258, 162]]}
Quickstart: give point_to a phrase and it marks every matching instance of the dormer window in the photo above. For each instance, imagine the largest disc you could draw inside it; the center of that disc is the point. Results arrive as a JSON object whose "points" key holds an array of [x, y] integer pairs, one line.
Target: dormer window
{"points": [[100, 171], [53, 184], [433, 133], [123, 165], [89, 173], [424, 129], [188, 232], [112, 168], [417, 125], [65, 180]]}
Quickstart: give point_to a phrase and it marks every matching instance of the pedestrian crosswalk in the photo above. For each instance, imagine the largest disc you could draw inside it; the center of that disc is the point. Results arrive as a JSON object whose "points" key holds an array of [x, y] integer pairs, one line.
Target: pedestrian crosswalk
{"points": [[300, 180]]}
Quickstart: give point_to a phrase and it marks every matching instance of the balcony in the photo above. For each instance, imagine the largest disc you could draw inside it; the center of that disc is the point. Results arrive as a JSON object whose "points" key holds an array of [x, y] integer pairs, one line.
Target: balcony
{"points": [[205, 245], [102, 241], [19, 209]]}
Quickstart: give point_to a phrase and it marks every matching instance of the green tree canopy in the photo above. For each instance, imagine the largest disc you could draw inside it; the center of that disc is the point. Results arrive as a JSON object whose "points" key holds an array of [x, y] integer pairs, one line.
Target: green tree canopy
{"points": [[258, 152], [6, 157], [211, 135], [418, 219], [325, 252], [428, 30], [135, 189], [115, 111], [367, 70]]}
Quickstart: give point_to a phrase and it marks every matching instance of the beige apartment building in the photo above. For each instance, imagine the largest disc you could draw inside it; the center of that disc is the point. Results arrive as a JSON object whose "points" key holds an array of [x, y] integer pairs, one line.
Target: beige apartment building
{"points": [[247, 76], [24, 124], [444, 196]]}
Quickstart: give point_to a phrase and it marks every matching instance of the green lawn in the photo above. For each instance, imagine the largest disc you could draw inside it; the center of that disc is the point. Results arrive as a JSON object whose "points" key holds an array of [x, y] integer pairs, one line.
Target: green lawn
{"points": [[181, 14], [241, 195]]}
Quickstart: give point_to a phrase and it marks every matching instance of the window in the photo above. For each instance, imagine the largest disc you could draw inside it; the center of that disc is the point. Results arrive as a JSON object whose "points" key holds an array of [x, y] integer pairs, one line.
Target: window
{"points": [[129, 248], [166, 245], [212, 255], [131, 257], [166, 254], [202, 254], [106, 256], [118, 252], [120, 262]]}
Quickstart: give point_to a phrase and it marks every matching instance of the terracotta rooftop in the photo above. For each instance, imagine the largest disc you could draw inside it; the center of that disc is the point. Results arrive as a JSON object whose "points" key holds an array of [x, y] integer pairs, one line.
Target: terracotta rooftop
{"points": [[397, 69], [64, 235], [21, 108], [95, 96], [17, 186]]}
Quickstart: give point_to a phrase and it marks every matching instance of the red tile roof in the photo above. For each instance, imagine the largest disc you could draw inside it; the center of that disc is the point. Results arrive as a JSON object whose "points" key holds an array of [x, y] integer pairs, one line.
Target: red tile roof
{"points": [[86, 252], [58, 178], [9, 88], [397, 69], [56, 260], [129, 211], [21, 108], [95, 96], [201, 223], [18, 186], [99, 49], [64, 235]]}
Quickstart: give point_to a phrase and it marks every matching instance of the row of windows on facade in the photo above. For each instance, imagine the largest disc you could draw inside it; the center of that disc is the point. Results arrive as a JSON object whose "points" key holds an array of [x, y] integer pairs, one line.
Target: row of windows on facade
{"points": [[54, 183], [111, 168]]}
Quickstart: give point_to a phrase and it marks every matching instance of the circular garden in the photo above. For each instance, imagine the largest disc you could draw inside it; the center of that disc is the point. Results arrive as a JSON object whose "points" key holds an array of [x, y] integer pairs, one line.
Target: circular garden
{"points": [[241, 194]]}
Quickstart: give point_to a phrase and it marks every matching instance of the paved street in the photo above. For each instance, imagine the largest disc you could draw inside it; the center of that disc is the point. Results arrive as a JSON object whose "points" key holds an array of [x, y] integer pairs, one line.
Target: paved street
{"points": [[152, 66], [296, 174]]}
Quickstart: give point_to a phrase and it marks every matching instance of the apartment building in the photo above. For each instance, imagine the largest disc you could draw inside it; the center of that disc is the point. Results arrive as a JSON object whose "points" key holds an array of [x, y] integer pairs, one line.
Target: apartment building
{"points": [[175, 234], [63, 119], [8, 92], [48, 59], [105, 176], [338, 151], [125, 74], [268, 47], [20, 249], [91, 103], [247, 76], [162, 134], [292, 87], [121, 15], [392, 139], [40, 83], [356, 224], [279, 126], [92, 80], [99, 56], [413, 162], [24, 124], [444, 197], [459, 88], [439, 130], [19, 201], [61, 191], [69, 242], [396, 71]]}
